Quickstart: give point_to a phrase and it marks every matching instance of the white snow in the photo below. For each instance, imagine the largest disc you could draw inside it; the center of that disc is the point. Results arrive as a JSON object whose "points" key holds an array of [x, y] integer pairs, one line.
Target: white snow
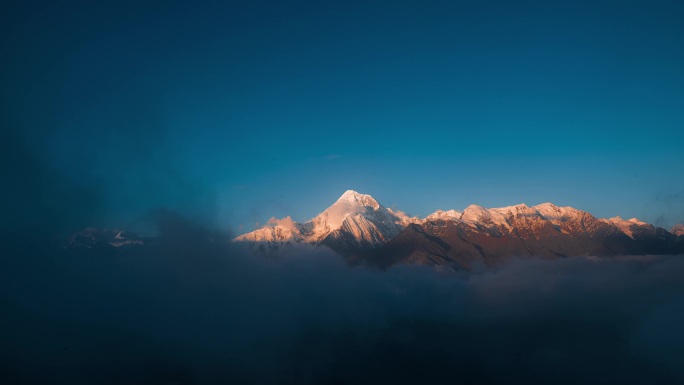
{"points": [[444, 215], [554, 213], [627, 226]]}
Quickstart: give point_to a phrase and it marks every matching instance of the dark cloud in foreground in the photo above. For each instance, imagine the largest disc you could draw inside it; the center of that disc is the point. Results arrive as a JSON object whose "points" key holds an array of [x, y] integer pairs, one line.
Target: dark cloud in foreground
{"points": [[190, 310]]}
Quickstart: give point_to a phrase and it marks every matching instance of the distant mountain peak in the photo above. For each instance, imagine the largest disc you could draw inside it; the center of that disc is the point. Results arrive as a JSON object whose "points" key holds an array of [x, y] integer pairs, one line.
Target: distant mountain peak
{"points": [[444, 215], [546, 205], [354, 220], [678, 229], [94, 237], [350, 193], [352, 196], [631, 220]]}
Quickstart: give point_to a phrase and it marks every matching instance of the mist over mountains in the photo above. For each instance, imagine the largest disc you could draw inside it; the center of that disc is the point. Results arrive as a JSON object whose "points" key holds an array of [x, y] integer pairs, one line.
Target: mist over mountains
{"points": [[186, 309]]}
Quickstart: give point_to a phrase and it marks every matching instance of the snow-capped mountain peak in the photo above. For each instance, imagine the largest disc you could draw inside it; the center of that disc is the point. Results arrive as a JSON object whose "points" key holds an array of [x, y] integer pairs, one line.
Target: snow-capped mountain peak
{"points": [[475, 213], [353, 218], [354, 197], [351, 203], [627, 226], [552, 212], [444, 215], [275, 230], [92, 237], [678, 229]]}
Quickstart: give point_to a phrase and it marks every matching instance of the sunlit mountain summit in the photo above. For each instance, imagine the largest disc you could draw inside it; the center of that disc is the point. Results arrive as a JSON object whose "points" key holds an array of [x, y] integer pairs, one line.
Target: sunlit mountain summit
{"points": [[354, 222]]}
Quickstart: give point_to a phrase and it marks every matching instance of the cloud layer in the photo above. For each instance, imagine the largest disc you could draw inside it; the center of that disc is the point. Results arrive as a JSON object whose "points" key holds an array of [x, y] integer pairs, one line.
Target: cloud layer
{"points": [[190, 310]]}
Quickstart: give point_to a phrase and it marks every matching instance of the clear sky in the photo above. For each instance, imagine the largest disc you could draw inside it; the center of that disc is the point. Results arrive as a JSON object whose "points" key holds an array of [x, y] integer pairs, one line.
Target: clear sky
{"points": [[240, 111]]}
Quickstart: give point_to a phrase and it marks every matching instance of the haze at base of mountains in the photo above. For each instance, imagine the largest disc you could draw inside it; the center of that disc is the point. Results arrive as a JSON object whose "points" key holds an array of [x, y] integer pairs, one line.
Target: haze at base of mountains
{"points": [[362, 230], [186, 309]]}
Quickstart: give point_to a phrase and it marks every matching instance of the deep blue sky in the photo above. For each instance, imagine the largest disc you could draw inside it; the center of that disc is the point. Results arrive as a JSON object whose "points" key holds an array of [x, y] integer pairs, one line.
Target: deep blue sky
{"points": [[243, 111]]}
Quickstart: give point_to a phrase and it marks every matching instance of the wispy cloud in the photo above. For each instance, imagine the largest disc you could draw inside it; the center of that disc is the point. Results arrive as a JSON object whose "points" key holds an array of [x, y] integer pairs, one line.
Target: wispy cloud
{"points": [[286, 222]]}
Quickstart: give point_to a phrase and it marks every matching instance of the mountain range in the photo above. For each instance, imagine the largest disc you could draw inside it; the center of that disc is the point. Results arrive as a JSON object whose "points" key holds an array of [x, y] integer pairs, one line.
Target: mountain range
{"points": [[364, 231]]}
